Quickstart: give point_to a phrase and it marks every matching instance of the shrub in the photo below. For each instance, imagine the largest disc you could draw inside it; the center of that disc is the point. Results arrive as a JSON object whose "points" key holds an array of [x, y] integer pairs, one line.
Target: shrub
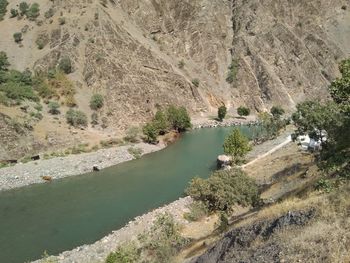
{"points": [[14, 12], [277, 111], [4, 63], [160, 122], [33, 12], [222, 112], [61, 20], [49, 13], [178, 118], [94, 118], [126, 253], [163, 240], [17, 37], [151, 132], [232, 73], [223, 189], [23, 8], [236, 145], [64, 87], [3, 10], [198, 210], [42, 41], [54, 107], [135, 152], [76, 118], [243, 111], [96, 102], [18, 91], [65, 65], [196, 82], [181, 64], [132, 135]]}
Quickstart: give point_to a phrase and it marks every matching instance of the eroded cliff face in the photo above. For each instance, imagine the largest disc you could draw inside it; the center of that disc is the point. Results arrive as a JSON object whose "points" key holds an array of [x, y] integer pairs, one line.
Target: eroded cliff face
{"points": [[142, 55], [288, 51]]}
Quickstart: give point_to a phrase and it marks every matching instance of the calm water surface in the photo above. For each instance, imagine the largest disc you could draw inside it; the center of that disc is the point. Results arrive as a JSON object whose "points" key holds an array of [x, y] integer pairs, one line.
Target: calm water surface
{"points": [[79, 210]]}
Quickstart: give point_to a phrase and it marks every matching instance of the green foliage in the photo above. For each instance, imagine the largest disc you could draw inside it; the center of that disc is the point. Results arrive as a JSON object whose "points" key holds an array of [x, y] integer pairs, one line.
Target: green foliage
{"points": [[160, 122], [23, 8], [76, 118], [132, 134], [135, 152], [243, 111], [196, 82], [3, 10], [65, 65], [54, 107], [232, 73], [178, 118], [4, 63], [277, 111], [271, 126], [18, 91], [126, 253], [198, 210], [33, 12], [14, 12], [222, 112], [96, 102], [223, 189], [61, 20], [236, 145], [340, 88], [41, 41], [163, 240], [151, 132], [223, 223], [324, 185], [17, 37]]}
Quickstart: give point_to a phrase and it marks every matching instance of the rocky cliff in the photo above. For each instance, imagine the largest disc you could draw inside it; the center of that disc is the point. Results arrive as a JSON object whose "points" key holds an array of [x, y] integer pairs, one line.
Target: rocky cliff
{"points": [[142, 55]]}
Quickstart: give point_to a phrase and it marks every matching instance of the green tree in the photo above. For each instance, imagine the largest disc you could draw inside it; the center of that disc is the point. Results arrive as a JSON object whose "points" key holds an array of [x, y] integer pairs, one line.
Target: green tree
{"points": [[96, 102], [243, 111], [271, 126], [17, 37], [160, 122], [223, 189], [236, 145], [54, 107], [4, 63], [33, 12], [151, 132], [14, 12], [178, 118], [277, 111], [232, 71], [222, 112], [23, 8], [3, 10]]}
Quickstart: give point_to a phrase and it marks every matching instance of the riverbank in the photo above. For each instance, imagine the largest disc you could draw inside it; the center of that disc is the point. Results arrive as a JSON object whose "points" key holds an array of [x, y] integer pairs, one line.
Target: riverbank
{"points": [[98, 251], [42, 171]]}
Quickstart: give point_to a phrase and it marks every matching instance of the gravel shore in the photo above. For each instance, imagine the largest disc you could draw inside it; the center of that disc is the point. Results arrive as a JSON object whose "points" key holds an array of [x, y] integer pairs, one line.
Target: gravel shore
{"points": [[33, 172]]}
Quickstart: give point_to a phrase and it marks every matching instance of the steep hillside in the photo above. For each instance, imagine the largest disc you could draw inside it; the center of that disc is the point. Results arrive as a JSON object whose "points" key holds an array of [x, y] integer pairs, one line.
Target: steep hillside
{"points": [[142, 55]]}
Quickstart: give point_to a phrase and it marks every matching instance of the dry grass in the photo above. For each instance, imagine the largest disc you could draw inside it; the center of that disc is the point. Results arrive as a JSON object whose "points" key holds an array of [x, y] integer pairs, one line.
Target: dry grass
{"points": [[64, 87]]}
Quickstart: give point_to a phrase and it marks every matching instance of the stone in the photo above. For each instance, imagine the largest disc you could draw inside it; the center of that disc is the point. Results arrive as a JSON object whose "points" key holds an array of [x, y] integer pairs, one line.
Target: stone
{"points": [[224, 160], [96, 168]]}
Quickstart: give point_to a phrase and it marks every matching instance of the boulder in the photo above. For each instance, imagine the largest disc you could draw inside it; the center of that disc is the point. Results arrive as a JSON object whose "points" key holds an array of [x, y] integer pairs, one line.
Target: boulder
{"points": [[96, 168], [224, 161]]}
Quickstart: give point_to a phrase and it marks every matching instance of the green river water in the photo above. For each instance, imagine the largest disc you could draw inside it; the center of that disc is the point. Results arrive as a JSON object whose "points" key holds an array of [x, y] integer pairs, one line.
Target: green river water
{"points": [[80, 210]]}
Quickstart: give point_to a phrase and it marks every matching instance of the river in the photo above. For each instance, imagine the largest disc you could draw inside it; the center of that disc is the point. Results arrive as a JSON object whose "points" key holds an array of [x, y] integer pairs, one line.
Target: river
{"points": [[67, 213]]}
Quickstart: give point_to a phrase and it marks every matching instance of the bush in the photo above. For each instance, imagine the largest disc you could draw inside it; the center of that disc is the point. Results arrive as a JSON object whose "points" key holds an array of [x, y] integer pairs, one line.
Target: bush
{"points": [[236, 145], [151, 132], [96, 102], [49, 13], [224, 189], [277, 111], [65, 65], [198, 210], [160, 122], [61, 21], [23, 8], [196, 82], [181, 64], [18, 91], [132, 135], [135, 152], [14, 13], [222, 112], [243, 111], [178, 118], [54, 107], [3, 10], [4, 63], [17, 37], [126, 253], [42, 41], [232, 73], [76, 118], [33, 12]]}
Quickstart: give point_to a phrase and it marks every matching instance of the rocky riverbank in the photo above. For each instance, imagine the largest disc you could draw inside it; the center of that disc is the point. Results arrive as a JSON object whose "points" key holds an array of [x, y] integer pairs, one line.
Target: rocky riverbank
{"points": [[212, 123], [98, 252], [42, 171]]}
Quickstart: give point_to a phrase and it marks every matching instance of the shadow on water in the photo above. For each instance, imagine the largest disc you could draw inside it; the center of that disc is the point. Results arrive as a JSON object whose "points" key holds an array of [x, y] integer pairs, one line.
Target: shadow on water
{"points": [[79, 210]]}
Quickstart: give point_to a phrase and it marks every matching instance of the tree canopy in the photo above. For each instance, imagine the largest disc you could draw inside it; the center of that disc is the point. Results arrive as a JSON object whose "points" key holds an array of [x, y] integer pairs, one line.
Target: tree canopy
{"points": [[236, 145]]}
